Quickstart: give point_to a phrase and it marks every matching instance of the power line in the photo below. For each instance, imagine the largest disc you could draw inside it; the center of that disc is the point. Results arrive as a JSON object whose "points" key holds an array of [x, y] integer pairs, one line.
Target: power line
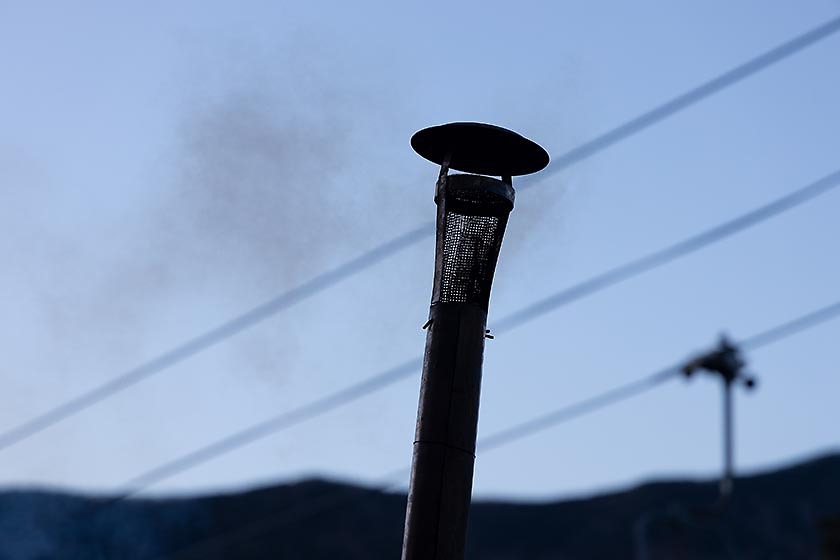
{"points": [[380, 381], [211, 337], [282, 421], [672, 252], [786, 330], [511, 434], [693, 96], [334, 276], [759, 340], [613, 396]]}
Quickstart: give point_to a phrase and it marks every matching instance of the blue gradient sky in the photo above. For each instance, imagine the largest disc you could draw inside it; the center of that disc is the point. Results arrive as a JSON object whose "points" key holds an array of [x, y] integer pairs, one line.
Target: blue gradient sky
{"points": [[165, 167]]}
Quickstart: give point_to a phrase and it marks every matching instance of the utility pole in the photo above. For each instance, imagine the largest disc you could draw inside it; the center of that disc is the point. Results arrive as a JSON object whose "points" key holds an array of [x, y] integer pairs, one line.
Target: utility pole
{"points": [[472, 213], [726, 363]]}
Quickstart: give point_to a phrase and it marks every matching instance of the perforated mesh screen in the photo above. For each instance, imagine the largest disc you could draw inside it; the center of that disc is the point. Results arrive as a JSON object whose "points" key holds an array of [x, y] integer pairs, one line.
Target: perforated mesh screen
{"points": [[474, 224], [470, 251]]}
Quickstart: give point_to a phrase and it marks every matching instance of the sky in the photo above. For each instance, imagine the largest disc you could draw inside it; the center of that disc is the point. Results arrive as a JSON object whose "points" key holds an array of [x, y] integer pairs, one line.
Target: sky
{"points": [[166, 166]]}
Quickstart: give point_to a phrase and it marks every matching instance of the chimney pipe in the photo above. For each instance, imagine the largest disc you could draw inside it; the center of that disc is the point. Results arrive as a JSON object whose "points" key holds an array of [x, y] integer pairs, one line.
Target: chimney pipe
{"points": [[472, 213]]}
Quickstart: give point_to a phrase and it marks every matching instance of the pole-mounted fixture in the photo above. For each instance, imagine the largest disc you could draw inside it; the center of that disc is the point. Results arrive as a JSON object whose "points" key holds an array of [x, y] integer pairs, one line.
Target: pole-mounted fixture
{"points": [[472, 213], [726, 363]]}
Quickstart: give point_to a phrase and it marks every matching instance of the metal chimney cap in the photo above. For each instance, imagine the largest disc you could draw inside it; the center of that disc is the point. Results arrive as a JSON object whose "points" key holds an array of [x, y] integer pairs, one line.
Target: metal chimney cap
{"points": [[480, 148]]}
